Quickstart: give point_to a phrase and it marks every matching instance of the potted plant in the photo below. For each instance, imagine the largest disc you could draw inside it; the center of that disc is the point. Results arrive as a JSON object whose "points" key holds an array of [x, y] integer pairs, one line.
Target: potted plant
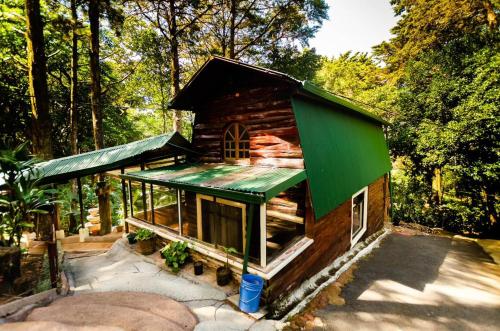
{"points": [[175, 254], [145, 241], [224, 273], [131, 238]]}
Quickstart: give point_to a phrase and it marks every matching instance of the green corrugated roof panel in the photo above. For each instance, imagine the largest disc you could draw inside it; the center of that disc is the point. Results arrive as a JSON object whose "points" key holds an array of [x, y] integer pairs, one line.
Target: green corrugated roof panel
{"points": [[244, 183], [342, 152], [112, 157]]}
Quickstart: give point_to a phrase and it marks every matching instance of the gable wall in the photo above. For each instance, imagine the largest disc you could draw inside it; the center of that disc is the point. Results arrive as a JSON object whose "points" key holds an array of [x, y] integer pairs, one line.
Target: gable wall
{"points": [[267, 114]]}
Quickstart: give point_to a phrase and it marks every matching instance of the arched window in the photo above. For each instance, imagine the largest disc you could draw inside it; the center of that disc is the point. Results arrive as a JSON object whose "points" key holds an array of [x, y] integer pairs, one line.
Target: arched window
{"points": [[236, 142]]}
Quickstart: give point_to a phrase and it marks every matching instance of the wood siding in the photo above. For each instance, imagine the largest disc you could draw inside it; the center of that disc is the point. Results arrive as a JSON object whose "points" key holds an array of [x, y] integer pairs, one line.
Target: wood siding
{"points": [[332, 238], [265, 112]]}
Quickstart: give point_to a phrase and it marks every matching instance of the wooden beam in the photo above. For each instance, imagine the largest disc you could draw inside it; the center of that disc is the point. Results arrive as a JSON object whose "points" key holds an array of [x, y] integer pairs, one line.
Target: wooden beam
{"points": [[285, 217], [80, 200]]}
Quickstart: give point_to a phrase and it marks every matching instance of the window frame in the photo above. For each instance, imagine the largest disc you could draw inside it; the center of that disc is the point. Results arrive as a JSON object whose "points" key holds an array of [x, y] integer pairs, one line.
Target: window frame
{"points": [[236, 148], [355, 237], [199, 215]]}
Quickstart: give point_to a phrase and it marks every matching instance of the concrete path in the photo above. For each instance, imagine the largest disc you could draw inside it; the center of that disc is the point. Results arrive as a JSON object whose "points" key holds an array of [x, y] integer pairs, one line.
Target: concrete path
{"points": [[420, 283], [108, 311], [121, 269]]}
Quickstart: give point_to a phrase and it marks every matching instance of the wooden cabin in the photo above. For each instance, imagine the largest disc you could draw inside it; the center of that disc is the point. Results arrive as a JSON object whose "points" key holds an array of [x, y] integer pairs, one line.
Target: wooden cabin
{"points": [[288, 174]]}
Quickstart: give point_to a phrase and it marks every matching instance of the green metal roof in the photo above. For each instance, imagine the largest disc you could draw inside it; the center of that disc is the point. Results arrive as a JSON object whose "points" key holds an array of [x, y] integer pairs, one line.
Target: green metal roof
{"points": [[342, 153], [243, 183], [111, 158], [217, 72]]}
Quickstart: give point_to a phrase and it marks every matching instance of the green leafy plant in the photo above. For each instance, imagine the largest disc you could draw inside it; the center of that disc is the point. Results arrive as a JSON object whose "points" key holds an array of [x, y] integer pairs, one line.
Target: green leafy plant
{"points": [[22, 197], [230, 250], [175, 253], [144, 234]]}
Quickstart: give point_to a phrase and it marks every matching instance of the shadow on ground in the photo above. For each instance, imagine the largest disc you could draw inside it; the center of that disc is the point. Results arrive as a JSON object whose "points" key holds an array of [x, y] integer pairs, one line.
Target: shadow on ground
{"points": [[420, 283]]}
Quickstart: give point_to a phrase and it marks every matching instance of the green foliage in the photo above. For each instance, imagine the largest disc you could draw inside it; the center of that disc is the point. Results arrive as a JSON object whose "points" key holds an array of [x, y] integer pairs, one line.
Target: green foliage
{"points": [[358, 76], [228, 250], [144, 234], [176, 254], [21, 197], [445, 61]]}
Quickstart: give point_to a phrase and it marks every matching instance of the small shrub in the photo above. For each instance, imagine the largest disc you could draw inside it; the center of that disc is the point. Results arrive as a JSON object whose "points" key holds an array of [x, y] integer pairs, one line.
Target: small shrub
{"points": [[144, 234], [175, 254]]}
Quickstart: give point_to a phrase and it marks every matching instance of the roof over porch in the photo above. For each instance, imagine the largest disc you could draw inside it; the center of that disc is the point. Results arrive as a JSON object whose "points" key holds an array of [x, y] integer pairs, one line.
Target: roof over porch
{"points": [[111, 158], [244, 183]]}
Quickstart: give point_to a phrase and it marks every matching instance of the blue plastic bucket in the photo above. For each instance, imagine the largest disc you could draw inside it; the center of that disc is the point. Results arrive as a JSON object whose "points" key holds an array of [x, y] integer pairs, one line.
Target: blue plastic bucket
{"points": [[250, 290]]}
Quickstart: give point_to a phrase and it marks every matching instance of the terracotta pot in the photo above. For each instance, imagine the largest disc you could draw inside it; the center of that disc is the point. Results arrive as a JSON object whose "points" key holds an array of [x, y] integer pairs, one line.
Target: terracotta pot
{"points": [[145, 247], [119, 228], [223, 276]]}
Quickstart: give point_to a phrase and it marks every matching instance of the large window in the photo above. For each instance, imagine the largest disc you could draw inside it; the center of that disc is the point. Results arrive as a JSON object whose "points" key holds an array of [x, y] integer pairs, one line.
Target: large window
{"points": [[221, 222], [166, 211], [236, 143], [140, 201], [358, 215]]}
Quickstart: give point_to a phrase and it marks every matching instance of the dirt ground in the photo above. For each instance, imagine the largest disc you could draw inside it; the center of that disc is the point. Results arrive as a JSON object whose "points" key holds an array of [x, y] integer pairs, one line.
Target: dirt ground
{"points": [[414, 281]]}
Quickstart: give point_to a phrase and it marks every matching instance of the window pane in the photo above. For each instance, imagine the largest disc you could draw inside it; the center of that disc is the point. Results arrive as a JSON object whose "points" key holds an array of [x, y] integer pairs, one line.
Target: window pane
{"points": [[188, 214], [165, 207], [139, 209], [357, 212], [222, 225]]}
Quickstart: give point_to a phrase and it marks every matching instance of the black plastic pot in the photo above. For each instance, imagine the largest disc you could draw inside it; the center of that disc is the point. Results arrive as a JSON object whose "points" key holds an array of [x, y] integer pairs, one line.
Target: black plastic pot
{"points": [[131, 238], [198, 268], [223, 276]]}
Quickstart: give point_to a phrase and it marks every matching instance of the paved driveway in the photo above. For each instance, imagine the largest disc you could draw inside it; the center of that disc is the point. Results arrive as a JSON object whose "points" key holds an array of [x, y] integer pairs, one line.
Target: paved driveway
{"points": [[420, 283]]}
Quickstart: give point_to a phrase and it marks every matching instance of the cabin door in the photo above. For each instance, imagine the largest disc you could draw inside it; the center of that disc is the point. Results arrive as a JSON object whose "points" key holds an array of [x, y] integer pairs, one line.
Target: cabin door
{"points": [[222, 222]]}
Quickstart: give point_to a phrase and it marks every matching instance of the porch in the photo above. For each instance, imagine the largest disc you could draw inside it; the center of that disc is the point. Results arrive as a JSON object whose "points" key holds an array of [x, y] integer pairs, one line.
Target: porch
{"points": [[258, 211]]}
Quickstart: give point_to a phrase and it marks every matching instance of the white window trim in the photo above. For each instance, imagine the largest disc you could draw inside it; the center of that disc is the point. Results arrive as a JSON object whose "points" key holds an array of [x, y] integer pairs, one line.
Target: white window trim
{"points": [[362, 231]]}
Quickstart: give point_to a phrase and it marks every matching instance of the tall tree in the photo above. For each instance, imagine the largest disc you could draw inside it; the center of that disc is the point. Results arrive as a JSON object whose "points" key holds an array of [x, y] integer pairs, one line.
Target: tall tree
{"points": [[249, 29], [175, 20], [74, 80], [95, 75], [444, 60], [41, 128]]}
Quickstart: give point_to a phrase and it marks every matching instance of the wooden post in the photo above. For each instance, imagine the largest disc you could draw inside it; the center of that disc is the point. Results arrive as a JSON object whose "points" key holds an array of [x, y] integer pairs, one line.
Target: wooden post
{"points": [[249, 236], [131, 198], [263, 235], [144, 200], [124, 195], [152, 204], [80, 200], [52, 250]]}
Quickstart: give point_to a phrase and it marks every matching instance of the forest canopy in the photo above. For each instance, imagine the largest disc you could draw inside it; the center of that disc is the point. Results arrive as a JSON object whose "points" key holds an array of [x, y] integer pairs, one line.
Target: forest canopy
{"points": [[101, 73]]}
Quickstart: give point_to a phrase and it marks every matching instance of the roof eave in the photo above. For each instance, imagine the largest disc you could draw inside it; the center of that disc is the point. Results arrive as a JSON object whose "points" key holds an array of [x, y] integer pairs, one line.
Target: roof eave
{"points": [[308, 89]]}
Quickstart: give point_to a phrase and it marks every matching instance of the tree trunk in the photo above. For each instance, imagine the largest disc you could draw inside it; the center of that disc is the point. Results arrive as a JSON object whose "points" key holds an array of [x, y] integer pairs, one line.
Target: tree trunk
{"points": [[103, 194], [74, 80], [95, 75], [174, 62], [39, 95], [232, 29]]}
